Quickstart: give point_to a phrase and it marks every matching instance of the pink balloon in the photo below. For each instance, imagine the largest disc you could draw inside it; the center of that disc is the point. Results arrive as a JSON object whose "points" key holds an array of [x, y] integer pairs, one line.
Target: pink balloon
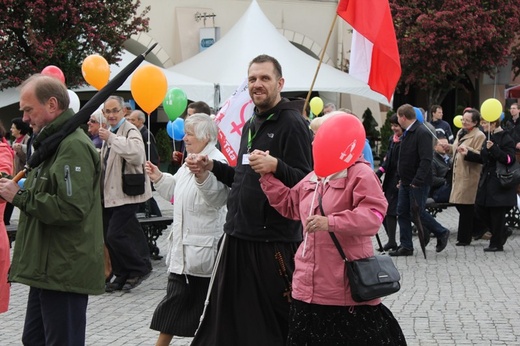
{"points": [[55, 72], [338, 144]]}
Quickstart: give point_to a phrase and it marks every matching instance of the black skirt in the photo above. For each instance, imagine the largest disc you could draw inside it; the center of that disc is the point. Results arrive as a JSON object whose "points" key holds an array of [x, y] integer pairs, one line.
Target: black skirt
{"points": [[249, 303], [322, 325], [179, 312]]}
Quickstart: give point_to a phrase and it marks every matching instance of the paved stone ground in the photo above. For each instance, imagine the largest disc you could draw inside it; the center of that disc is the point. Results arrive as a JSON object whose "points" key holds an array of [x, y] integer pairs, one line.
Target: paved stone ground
{"points": [[461, 296]]}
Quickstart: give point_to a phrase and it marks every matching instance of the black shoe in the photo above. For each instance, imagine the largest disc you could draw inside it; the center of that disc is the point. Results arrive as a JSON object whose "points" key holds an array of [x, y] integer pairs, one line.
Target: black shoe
{"points": [[442, 241], [493, 249], [389, 246], [116, 285], [461, 243], [402, 251], [133, 282], [509, 233]]}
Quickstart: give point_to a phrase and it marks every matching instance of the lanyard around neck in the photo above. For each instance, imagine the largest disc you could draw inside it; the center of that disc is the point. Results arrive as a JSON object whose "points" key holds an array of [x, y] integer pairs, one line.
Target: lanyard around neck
{"points": [[251, 136]]}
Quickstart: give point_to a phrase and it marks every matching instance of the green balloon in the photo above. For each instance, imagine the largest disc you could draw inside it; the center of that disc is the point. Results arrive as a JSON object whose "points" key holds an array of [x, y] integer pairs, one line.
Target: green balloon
{"points": [[175, 103]]}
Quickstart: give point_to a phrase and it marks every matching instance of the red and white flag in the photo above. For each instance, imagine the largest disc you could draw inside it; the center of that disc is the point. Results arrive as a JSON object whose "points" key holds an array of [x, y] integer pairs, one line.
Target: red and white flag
{"points": [[231, 118], [374, 56]]}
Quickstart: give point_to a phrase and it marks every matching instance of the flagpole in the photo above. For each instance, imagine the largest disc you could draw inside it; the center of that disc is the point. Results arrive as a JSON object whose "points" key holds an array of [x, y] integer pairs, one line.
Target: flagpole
{"points": [[319, 65]]}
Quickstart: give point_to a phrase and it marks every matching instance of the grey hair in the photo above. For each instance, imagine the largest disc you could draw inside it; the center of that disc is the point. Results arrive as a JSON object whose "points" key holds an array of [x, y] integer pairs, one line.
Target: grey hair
{"points": [[98, 115], [117, 98], [203, 126], [140, 115]]}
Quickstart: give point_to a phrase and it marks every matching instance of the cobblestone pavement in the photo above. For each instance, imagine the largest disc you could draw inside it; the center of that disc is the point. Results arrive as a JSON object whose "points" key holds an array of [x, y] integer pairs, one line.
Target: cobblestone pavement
{"points": [[461, 296]]}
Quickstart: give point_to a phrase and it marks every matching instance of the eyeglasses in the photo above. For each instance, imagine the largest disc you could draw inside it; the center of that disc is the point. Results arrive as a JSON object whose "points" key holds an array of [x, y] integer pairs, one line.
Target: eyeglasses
{"points": [[92, 121], [112, 111]]}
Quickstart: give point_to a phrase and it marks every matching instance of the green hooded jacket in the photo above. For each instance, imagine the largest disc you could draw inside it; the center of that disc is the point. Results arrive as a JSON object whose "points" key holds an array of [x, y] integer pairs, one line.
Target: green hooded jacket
{"points": [[59, 242]]}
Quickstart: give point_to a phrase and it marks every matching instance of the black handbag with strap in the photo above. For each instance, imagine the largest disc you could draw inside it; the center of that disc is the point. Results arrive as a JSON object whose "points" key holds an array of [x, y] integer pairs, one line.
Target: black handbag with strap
{"points": [[508, 175], [369, 278], [133, 183]]}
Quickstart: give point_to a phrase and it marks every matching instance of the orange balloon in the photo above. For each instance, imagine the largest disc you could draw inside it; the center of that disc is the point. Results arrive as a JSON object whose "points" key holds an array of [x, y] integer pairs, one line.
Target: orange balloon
{"points": [[148, 87], [96, 71]]}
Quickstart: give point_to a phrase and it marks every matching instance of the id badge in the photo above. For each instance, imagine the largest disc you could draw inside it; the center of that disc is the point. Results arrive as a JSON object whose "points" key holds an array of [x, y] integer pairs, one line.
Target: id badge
{"points": [[245, 159]]}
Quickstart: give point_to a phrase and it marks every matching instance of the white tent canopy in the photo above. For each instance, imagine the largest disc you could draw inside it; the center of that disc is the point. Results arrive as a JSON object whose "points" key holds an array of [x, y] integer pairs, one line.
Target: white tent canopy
{"points": [[226, 61], [195, 89]]}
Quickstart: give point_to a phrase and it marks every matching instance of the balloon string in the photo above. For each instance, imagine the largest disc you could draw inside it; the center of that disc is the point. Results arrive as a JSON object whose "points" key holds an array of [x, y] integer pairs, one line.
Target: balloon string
{"points": [[149, 129]]}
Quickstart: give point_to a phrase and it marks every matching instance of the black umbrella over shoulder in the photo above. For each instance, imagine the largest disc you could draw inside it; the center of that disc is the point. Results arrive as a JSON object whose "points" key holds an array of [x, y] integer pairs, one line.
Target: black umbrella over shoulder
{"points": [[51, 143], [416, 216]]}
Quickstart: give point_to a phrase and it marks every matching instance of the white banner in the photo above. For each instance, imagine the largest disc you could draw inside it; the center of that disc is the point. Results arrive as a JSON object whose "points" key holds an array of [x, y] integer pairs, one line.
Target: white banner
{"points": [[231, 118]]}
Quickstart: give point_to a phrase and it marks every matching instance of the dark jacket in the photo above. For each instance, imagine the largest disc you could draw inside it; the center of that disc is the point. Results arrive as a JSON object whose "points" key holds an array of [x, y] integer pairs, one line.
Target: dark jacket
{"points": [[287, 137], [490, 193], [389, 169], [513, 128], [443, 128], [153, 157], [441, 171], [59, 243], [415, 156]]}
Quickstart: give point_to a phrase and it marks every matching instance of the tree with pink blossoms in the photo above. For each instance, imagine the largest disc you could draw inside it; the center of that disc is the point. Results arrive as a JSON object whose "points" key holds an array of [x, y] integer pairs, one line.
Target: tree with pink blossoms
{"points": [[445, 43], [38, 33]]}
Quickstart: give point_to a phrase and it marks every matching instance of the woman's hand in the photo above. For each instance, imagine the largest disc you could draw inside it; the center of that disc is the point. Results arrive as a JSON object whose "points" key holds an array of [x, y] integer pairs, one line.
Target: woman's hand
{"points": [[489, 144], [463, 150], [153, 172], [316, 223]]}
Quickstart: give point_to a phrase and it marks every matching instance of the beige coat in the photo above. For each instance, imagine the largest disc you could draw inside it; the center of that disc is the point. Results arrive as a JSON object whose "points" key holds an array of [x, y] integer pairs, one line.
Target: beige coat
{"points": [[132, 150], [466, 175]]}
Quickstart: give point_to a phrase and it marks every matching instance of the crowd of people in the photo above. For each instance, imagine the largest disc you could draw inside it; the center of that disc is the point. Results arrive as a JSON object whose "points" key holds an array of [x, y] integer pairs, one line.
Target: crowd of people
{"points": [[236, 251]]}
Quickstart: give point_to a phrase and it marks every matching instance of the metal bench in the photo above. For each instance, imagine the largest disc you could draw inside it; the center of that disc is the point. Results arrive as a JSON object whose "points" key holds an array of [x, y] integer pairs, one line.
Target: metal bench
{"points": [[512, 216], [153, 228]]}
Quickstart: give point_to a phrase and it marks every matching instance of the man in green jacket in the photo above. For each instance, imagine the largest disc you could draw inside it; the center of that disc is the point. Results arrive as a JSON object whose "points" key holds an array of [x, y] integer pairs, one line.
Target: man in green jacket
{"points": [[59, 244]]}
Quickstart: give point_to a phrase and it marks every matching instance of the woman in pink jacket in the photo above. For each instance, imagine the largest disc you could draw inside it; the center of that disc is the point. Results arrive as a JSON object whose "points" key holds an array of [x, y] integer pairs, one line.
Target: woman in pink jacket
{"points": [[323, 311], [6, 166]]}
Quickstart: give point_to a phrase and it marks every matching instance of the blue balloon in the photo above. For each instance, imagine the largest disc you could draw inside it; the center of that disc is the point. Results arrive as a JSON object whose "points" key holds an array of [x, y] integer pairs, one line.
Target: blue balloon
{"points": [[178, 129], [419, 115], [169, 129], [21, 183], [502, 116]]}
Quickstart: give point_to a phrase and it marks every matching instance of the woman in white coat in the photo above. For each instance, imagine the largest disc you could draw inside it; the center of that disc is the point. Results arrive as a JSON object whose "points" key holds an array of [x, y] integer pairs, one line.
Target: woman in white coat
{"points": [[198, 217]]}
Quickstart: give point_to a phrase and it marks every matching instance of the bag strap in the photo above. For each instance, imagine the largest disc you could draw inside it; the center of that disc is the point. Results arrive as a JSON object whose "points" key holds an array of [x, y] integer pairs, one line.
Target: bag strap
{"points": [[332, 235], [124, 161]]}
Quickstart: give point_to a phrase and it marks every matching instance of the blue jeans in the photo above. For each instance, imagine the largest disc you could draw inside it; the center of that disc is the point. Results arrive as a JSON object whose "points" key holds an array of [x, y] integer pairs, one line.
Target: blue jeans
{"points": [[405, 202]]}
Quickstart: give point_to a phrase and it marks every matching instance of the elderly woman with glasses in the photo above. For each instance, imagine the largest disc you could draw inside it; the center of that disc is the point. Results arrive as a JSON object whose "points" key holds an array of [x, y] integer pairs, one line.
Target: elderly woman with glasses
{"points": [[198, 217], [96, 121], [466, 174]]}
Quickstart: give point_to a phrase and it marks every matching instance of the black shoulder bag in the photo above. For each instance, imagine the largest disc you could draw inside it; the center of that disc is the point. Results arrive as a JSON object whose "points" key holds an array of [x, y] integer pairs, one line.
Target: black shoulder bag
{"points": [[133, 183], [369, 278]]}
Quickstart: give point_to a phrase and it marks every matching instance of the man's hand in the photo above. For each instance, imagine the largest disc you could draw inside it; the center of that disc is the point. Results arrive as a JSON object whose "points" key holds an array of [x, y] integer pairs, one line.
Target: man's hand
{"points": [[104, 133], [262, 163], [8, 189]]}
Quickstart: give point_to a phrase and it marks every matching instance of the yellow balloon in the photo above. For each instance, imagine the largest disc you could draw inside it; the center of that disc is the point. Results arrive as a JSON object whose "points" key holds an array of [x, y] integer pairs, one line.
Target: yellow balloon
{"points": [[96, 71], [457, 121], [316, 105], [491, 110], [148, 87]]}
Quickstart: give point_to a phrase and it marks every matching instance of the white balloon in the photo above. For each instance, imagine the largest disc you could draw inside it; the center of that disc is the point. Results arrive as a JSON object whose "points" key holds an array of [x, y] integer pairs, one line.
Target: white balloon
{"points": [[74, 101]]}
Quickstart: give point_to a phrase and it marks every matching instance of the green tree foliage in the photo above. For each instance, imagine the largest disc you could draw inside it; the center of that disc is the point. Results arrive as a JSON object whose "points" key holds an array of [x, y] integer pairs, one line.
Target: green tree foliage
{"points": [[164, 146], [442, 43], [38, 33], [386, 132], [370, 125]]}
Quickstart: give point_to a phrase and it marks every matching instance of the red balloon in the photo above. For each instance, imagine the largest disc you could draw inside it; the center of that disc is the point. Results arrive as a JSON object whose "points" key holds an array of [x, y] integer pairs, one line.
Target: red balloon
{"points": [[338, 144], [55, 72]]}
